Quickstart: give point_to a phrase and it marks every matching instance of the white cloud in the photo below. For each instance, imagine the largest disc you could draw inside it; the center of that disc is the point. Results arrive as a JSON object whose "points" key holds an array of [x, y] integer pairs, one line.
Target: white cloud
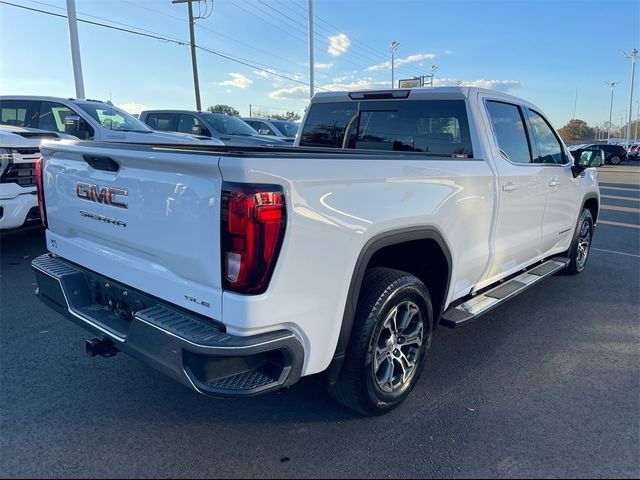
{"points": [[302, 91], [239, 81], [261, 73], [502, 85], [338, 44], [401, 61], [448, 52], [133, 107], [324, 66]]}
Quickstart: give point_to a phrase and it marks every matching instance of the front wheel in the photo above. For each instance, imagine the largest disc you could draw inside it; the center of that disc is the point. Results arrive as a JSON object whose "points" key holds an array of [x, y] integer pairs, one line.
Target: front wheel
{"points": [[581, 245], [389, 342]]}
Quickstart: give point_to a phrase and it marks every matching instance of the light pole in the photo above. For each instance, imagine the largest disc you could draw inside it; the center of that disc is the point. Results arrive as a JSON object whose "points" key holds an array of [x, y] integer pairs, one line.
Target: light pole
{"points": [[633, 57], [75, 48], [432, 73], [393, 47], [635, 135], [612, 85]]}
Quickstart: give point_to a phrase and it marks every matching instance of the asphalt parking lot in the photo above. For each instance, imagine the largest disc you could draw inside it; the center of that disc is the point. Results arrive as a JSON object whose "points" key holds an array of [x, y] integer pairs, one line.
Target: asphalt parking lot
{"points": [[545, 386]]}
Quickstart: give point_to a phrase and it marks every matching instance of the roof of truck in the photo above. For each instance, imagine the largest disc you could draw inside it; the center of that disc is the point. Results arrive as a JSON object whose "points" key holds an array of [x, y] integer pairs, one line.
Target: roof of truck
{"points": [[418, 93]]}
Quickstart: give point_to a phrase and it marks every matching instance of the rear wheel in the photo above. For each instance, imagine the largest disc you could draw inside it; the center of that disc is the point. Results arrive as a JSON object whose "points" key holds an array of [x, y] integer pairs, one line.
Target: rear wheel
{"points": [[615, 160], [581, 245], [390, 338]]}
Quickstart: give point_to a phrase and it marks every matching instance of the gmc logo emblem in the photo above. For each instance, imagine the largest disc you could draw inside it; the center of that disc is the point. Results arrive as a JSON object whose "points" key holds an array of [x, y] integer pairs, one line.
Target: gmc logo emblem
{"points": [[104, 195]]}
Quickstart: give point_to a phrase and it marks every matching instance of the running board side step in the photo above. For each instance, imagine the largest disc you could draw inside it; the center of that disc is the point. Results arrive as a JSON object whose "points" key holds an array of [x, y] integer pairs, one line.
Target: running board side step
{"points": [[465, 313]]}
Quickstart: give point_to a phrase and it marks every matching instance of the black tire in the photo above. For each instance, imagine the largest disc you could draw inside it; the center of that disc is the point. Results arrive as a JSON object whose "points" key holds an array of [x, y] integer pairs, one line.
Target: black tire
{"points": [[615, 160], [577, 263], [358, 386]]}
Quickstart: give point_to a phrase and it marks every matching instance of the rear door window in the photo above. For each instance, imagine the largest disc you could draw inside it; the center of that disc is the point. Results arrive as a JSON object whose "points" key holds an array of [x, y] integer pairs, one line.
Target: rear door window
{"points": [[509, 128], [438, 127]]}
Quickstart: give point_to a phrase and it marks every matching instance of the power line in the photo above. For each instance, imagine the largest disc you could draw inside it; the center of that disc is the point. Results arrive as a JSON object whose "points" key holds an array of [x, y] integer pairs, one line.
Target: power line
{"points": [[161, 38], [200, 26]]}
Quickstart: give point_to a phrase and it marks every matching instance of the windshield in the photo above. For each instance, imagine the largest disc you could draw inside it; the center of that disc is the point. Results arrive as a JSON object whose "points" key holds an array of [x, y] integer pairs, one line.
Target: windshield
{"points": [[288, 129], [228, 124], [113, 118]]}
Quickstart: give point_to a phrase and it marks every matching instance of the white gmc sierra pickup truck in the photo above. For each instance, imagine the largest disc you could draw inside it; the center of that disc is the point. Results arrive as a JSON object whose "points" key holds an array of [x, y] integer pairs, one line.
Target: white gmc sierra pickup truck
{"points": [[237, 271]]}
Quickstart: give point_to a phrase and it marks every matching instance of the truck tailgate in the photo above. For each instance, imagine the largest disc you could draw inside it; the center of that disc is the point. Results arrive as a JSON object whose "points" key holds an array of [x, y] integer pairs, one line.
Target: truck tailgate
{"points": [[146, 217]]}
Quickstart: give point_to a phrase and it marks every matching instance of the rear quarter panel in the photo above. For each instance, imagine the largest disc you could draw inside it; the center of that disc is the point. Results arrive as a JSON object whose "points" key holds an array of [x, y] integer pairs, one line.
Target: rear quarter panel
{"points": [[334, 208]]}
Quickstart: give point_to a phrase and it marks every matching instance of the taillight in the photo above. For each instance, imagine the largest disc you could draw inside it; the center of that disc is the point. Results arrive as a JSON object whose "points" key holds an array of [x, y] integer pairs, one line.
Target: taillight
{"points": [[253, 224], [40, 190]]}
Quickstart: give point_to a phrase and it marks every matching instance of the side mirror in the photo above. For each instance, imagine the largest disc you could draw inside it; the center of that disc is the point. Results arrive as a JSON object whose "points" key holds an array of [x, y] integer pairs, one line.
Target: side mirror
{"points": [[586, 158], [76, 126], [197, 130], [264, 131]]}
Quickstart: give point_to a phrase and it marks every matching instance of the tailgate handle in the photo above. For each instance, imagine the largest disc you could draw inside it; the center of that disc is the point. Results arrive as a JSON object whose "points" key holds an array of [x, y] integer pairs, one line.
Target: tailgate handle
{"points": [[103, 163]]}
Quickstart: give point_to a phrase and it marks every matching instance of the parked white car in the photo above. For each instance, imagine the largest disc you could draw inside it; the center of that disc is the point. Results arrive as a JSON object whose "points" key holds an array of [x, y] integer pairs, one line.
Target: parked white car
{"points": [[87, 120], [238, 270], [19, 151]]}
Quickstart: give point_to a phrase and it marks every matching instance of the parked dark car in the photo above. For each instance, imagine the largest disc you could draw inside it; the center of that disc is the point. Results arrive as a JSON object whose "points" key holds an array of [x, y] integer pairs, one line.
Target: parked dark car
{"points": [[614, 154]]}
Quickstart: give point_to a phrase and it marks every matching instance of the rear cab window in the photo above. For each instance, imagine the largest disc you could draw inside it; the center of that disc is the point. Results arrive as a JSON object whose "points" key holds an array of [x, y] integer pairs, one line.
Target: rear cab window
{"points": [[19, 113], [436, 127]]}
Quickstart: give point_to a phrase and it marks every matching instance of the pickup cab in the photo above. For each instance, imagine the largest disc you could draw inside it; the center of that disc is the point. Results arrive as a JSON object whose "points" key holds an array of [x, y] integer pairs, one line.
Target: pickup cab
{"points": [[236, 271]]}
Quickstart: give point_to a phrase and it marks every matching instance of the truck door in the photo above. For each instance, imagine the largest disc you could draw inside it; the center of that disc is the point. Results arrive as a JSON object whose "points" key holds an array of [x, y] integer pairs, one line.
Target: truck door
{"points": [[561, 211], [522, 190]]}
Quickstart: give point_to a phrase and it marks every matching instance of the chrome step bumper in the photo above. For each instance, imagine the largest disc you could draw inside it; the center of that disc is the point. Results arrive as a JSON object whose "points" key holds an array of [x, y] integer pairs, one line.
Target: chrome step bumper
{"points": [[470, 310], [193, 350]]}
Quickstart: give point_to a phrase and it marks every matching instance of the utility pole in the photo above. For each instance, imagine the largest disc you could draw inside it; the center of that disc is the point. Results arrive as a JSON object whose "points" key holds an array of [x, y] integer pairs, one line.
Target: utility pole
{"points": [[633, 57], [311, 61], [635, 135], [75, 48], [194, 62], [393, 47], [612, 85], [250, 111]]}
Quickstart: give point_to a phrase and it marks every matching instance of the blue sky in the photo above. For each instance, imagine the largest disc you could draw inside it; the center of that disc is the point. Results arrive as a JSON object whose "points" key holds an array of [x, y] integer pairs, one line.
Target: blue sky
{"points": [[539, 50]]}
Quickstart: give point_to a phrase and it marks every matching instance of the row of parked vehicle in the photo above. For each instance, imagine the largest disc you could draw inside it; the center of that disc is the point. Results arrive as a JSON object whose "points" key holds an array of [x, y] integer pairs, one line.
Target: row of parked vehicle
{"points": [[26, 120], [614, 154]]}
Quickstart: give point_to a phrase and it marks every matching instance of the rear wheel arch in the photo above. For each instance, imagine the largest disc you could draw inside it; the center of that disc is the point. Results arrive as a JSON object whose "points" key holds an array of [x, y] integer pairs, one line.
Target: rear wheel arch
{"points": [[421, 251]]}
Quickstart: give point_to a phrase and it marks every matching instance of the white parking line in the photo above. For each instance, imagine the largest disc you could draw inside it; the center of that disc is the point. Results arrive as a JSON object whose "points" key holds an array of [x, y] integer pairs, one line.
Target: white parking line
{"points": [[617, 253], [617, 224], [620, 209], [604, 187], [614, 197]]}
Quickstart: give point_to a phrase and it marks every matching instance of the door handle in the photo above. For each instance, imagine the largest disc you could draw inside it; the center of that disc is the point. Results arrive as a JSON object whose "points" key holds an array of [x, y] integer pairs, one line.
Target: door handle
{"points": [[510, 187], [554, 182]]}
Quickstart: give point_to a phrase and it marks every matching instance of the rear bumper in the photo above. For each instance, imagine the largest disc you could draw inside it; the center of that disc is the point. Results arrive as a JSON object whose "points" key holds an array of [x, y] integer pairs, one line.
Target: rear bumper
{"points": [[189, 348]]}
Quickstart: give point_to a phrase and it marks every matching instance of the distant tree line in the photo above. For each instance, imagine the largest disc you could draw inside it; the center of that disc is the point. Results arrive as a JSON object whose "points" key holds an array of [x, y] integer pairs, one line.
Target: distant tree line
{"points": [[229, 110], [578, 131]]}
